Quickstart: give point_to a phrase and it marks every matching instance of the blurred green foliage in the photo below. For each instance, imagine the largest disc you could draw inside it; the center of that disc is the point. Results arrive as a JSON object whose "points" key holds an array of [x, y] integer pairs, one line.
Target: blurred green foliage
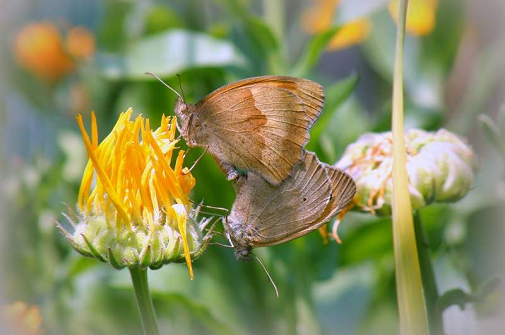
{"points": [[324, 287]]}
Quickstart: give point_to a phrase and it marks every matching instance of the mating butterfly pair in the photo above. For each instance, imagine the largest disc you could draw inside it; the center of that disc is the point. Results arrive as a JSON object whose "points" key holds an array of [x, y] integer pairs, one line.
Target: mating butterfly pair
{"points": [[261, 125]]}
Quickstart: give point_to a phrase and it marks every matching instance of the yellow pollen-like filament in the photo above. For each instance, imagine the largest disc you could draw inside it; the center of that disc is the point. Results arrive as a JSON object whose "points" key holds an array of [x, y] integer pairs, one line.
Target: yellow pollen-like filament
{"points": [[136, 183], [94, 131]]}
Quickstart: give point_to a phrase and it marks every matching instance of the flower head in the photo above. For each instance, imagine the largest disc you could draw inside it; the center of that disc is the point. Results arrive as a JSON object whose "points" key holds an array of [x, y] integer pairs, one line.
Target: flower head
{"points": [[319, 18], [420, 15], [133, 202], [80, 43], [440, 168], [22, 318], [39, 49]]}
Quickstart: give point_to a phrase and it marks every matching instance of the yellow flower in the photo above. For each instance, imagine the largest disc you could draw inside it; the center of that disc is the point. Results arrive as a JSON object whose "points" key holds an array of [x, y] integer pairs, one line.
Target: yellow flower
{"points": [[133, 202], [39, 49], [350, 34], [420, 15], [319, 19], [22, 319]]}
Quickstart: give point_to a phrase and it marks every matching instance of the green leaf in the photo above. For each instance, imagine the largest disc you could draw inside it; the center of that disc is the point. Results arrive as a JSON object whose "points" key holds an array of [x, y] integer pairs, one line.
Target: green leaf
{"points": [[199, 312], [489, 287], [409, 289], [262, 33], [492, 132], [343, 301], [313, 52], [483, 82], [336, 94], [169, 53], [160, 18], [370, 240], [455, 297], [258, 41], [347, 123]]}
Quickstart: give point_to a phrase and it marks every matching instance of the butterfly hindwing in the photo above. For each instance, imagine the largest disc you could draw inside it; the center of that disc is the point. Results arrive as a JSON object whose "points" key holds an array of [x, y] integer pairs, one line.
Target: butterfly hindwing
{"points": [[270, 215]]}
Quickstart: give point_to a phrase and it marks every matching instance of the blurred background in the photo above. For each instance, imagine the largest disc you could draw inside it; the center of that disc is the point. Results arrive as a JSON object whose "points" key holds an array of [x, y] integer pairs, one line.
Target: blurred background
{"points": [[59, 58]]}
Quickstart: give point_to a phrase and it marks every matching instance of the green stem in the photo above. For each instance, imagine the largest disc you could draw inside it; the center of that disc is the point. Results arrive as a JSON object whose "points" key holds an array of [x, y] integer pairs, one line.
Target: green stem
{"points": [[409, 289], [430, 289], [144, 301]]}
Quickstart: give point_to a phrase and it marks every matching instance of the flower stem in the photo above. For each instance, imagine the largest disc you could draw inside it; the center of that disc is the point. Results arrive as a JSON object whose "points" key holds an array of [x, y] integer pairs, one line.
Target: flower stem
{"points": [[144, 301], [430, 289]]}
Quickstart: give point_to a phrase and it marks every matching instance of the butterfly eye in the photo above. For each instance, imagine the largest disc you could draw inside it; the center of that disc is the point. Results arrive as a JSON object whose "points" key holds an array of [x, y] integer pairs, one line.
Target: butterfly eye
{"points": [[180, 107]]}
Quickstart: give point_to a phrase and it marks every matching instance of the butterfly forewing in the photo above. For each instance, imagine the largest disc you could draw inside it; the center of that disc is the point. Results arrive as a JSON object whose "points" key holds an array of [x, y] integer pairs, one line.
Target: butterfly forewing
{"points": [[259, 124]]}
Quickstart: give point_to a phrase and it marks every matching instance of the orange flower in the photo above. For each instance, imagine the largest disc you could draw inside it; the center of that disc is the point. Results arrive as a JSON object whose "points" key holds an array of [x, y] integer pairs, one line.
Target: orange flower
{"points": [[80, 43], [22, 318], [39, 49]]}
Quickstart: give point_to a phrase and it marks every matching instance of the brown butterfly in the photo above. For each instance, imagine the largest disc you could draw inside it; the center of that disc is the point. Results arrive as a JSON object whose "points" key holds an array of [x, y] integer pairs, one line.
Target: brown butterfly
{"points": [[258, 124], [265, 215]]}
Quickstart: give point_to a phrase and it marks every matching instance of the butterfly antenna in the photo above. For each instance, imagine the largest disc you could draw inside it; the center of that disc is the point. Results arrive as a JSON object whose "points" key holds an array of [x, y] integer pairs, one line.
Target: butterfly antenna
{"points": [[198, 159], [268, 274], [180, 86], [155, 76]]}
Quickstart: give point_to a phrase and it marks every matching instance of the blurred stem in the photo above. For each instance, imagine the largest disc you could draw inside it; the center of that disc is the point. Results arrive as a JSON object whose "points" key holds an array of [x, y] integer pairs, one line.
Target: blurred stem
{"points": [[144, 301], [273, 11], [430, 289], [411, 305]]}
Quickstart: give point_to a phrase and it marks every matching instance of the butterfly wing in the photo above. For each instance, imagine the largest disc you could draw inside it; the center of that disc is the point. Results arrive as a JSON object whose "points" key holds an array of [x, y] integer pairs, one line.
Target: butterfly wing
{"points": [[271, 215], [259, 124], [343, 189]]}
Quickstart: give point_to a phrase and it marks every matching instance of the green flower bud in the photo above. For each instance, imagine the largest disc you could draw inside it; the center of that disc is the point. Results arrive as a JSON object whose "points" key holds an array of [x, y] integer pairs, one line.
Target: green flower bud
{"points": [[141, 246]]}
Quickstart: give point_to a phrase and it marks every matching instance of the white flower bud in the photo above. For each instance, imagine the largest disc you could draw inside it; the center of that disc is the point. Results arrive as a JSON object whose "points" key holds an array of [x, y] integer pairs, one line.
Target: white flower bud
{"points": [[440, 167]]}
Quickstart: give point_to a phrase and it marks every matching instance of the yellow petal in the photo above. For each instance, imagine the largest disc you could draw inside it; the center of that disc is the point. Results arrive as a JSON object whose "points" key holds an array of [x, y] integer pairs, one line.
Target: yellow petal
{"points": [[420, 15], [101, 174], [319, 17], [351, 33]]}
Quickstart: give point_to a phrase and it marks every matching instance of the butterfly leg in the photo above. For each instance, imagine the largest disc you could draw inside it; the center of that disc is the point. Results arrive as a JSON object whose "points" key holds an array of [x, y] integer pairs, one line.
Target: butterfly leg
{"points": [[228, 169]]}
